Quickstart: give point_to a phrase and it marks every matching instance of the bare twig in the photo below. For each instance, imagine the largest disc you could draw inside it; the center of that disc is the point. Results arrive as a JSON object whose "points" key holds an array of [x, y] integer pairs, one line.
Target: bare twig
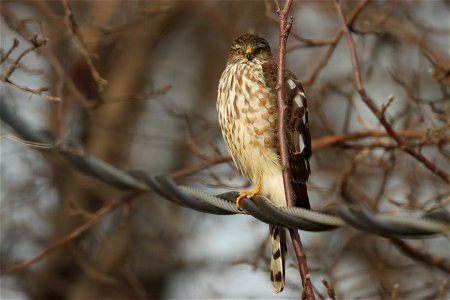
{"points": [[38, 92], [36, 43], [54, 62], [330, 290], [337, 139], [310, 42], [351, 18], [386, 105], [285, 28], [30, 144], [369, 102], [78, 40], [8, 53]]}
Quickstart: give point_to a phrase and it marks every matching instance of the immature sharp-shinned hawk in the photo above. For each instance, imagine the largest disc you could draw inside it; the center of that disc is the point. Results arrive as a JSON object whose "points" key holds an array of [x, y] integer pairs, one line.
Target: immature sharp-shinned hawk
{"points": [[248, 115]]}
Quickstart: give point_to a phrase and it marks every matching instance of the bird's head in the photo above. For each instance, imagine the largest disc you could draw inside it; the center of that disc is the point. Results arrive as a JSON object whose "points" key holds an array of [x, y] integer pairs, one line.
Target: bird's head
{"points": [[249, 48]]}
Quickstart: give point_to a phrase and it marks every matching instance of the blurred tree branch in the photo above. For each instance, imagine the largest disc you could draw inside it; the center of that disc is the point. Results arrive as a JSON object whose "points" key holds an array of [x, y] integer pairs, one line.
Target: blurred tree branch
{"points": [[93, 220], [380, 114]]}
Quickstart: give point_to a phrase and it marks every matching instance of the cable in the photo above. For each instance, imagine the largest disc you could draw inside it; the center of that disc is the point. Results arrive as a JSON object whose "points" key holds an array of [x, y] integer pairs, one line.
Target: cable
{"points": [[357, 216]]}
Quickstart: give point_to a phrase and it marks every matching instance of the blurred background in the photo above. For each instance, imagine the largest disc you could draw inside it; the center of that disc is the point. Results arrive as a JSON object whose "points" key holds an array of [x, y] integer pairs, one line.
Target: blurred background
{"points": [[134, 83]]}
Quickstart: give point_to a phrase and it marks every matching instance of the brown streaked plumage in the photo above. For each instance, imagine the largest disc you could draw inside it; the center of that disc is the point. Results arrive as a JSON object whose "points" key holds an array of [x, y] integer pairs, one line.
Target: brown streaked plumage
{"points": [[248, 115]]}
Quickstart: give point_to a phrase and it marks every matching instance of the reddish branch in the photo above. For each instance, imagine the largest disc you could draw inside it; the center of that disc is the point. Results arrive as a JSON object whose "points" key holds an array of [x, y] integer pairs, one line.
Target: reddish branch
{"points": [[378, 113], [285, 28], [337, 139], [324, 143], [71, 236]]}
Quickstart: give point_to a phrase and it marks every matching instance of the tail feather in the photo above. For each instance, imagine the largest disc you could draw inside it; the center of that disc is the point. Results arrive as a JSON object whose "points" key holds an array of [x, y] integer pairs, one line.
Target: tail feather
{"points": [[277, 261]]}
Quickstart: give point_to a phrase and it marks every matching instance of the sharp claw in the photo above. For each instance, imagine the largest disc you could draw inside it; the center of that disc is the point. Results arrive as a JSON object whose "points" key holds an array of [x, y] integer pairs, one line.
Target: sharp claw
{"points": [[238, 202], [243, 195], [240, 198]]}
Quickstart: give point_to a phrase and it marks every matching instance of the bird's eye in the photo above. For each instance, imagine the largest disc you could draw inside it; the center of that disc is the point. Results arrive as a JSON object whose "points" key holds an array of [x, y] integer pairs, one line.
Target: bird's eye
{"points": [[239, 52], [258, 50]]}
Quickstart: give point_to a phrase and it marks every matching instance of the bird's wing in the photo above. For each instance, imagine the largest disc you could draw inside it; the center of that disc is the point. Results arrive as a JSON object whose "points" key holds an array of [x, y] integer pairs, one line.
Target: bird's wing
{"points": [[298, 136]]}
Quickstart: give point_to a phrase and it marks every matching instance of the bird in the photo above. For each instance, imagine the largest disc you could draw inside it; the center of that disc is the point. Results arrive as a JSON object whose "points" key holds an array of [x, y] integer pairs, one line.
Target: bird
{"points": [[247, 110]]}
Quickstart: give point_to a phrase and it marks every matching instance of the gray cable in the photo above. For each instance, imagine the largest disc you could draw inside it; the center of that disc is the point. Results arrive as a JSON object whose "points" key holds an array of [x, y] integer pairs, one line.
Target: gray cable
{"points": [[211, 199], [358, 217]]}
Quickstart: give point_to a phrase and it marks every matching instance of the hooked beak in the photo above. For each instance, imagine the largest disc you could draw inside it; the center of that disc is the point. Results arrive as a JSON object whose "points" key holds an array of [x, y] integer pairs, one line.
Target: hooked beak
{"points": [[249, 54]]}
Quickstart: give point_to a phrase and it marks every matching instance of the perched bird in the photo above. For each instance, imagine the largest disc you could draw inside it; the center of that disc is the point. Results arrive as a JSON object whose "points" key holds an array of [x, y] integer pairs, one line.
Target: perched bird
{"points": [[248, 115]]}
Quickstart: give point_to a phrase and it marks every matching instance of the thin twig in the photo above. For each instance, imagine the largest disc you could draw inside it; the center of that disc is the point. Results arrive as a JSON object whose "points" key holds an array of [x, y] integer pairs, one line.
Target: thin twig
{"points": [[79, 43], [330, 290], [285, 28], [38, 92], [54, 62], [8, 53], [369, 102], [36, 43], [351, 18], [18, 140], [337, 139]]}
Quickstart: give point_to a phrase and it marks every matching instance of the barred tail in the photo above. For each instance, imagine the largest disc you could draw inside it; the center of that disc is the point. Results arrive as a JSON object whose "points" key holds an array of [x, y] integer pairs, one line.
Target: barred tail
{"points": [[277, 261]]}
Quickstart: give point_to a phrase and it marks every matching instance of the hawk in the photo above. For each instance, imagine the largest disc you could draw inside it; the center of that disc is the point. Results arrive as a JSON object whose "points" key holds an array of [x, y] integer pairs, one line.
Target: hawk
{"points": [[247, 109]]}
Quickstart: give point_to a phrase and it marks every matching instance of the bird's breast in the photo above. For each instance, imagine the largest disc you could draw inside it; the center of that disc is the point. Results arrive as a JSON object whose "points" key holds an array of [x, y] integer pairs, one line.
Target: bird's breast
{"points": [[248, 116]]}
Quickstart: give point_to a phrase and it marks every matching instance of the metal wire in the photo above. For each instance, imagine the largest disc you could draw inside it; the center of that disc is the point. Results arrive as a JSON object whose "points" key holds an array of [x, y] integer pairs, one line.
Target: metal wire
{"points": [[357, 216]]}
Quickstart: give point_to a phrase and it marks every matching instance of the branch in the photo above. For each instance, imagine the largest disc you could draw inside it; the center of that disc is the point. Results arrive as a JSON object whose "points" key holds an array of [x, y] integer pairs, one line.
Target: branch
{"points": [[338, 139], [38, 92], [8, 53], [285, 28], [380, 116], [54, 62], [71, 236], [351, 18], [36, 44], [420, 255], [79, 43]]}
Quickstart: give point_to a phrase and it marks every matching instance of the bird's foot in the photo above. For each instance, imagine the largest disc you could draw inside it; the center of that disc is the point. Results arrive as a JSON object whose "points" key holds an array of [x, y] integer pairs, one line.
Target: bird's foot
{"points": [[251, 194]]}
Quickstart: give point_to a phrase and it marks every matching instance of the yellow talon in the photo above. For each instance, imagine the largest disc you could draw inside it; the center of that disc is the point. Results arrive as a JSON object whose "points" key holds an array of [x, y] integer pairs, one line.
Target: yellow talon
{"points": [[251, 194]]}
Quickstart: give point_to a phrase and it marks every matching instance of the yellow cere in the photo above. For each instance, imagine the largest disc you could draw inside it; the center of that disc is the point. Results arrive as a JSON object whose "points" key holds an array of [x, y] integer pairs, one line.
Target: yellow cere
{"points": [[248, 50]]}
